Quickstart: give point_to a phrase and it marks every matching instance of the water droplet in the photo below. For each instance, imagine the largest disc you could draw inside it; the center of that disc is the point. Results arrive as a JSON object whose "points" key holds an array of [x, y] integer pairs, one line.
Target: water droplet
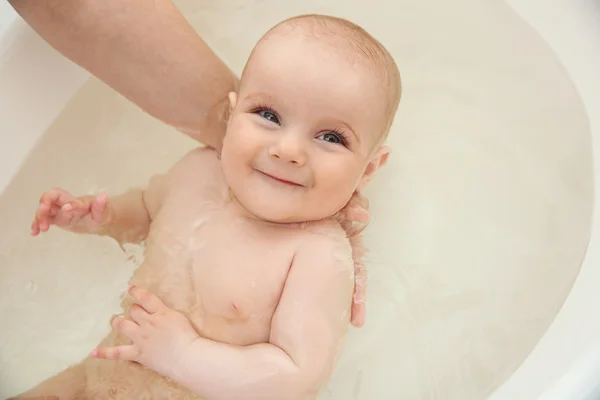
{"points": [[31, 287]]}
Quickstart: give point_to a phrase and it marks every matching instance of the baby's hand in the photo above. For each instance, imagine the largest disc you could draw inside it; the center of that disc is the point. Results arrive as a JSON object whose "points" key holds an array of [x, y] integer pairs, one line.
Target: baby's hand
{"points": [[160, 335], [78, 214]]}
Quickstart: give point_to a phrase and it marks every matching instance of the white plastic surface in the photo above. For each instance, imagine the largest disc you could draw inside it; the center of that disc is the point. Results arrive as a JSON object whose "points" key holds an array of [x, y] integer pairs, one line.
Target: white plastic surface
{"points": [[565, 365], [27, 110]]}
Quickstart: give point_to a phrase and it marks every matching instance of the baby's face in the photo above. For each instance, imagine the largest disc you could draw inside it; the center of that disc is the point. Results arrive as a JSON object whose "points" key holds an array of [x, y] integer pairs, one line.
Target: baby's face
{"points": [[303, 128]]}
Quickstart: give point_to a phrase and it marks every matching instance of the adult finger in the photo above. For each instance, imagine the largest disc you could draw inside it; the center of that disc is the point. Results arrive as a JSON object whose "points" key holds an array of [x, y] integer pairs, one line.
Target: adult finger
{"points": [[359, 307]]}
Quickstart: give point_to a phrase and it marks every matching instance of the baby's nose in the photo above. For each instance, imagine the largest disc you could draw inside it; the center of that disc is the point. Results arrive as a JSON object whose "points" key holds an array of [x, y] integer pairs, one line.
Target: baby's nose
{"points": [[289, 149]]}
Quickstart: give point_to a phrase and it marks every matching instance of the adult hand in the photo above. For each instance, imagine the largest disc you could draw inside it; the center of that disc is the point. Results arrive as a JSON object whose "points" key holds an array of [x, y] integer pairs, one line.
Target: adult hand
{"points": [[354, 218]]}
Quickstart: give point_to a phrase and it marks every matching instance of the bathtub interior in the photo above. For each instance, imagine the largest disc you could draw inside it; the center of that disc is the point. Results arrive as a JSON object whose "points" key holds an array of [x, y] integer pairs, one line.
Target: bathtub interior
{"points": [[480, 220]]}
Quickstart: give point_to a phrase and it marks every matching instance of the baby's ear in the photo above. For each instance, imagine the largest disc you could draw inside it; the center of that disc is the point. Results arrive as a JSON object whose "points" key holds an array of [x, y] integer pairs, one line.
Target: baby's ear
{"points": [[379, 159]]}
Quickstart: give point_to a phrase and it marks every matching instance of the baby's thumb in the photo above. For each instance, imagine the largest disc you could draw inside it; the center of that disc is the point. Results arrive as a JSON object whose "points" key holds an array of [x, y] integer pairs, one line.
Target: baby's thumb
{"points": [[99, 208]]}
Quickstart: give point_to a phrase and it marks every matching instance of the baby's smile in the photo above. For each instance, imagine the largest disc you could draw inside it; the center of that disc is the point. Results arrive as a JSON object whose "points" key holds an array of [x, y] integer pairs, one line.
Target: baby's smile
{"points": [[281, 180]]}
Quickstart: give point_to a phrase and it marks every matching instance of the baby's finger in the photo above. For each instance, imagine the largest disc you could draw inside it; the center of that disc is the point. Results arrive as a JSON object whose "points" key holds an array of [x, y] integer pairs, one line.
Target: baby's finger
{"points": [[39, 215], [76, 205], [42, 216], [138, 314], [35, 228], [98, 206], [126, 353], [143, 297], [126, 327], [56, 196]]}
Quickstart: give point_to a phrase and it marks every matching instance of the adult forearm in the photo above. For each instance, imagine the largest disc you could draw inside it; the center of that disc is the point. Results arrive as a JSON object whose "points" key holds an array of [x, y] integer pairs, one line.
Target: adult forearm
{"points": [[218, 371], [145, 50]]}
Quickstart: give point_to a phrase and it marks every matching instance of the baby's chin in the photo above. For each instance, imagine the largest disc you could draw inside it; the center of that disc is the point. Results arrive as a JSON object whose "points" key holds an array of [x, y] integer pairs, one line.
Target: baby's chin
{"points": [[265, 209], [284, 215]]}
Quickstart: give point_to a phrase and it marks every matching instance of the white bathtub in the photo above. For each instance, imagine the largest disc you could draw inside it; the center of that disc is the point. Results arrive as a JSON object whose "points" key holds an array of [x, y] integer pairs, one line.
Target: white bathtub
{"points": [[36, 84]]}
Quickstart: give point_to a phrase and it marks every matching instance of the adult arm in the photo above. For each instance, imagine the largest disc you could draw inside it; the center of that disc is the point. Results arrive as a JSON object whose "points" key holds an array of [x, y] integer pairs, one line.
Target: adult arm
{"points": [[146, 51]]}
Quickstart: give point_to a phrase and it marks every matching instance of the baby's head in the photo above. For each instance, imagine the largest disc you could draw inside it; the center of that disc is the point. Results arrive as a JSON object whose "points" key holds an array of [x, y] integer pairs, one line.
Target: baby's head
{"points": [[315, 103]]}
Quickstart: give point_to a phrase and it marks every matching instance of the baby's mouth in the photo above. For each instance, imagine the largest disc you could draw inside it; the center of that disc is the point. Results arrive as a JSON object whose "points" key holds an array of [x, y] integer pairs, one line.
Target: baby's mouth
{"points": [[281, 180]]}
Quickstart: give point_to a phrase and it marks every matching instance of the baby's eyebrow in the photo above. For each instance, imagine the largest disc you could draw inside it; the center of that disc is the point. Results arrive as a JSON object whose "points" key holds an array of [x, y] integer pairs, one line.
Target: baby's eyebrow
{"points": [[259, 95]]}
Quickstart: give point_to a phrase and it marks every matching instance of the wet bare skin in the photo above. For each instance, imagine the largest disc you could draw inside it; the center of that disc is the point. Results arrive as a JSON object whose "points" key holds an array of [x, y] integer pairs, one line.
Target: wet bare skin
{"points": [[205, 258]]}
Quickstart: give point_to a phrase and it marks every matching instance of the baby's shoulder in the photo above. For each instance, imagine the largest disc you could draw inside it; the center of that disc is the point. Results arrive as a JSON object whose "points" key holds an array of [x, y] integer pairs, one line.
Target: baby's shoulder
{"points": [[326, 239], [328, 227], [200, 157], [200, 166], [196, 177]]}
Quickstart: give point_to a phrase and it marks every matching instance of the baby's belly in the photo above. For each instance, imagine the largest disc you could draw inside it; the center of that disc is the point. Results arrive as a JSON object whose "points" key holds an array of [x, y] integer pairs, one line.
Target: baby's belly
{"points": [[229, 297], [222, 314]]}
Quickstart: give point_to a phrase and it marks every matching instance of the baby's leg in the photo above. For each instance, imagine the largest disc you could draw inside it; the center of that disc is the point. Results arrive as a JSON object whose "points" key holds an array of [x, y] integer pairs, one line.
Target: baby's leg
{"points": [[66, 385]]}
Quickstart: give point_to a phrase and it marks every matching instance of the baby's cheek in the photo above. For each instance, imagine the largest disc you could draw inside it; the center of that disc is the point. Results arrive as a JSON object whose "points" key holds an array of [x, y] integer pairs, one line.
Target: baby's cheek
{"points": [[332, 199]]}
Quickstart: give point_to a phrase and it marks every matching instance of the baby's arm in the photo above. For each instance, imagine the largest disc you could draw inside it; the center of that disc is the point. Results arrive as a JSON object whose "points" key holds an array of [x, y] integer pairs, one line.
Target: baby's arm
{"points": [[307, 328], [129, 218], [126, 217]]}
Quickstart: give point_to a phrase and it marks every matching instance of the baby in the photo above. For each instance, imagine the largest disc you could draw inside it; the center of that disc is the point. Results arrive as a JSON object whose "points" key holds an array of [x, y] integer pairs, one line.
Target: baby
{"points": [[247, 280]]}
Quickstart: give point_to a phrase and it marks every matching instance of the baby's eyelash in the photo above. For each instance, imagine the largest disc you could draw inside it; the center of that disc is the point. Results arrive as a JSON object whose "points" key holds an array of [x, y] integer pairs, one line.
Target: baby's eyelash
{"points": [[342, 134], [267, 107], [263, 107]]}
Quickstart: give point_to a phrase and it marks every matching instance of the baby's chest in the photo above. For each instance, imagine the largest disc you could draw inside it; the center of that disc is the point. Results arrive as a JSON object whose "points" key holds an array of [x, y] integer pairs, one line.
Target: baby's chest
{"points": [[240, 277], [226, 276]]}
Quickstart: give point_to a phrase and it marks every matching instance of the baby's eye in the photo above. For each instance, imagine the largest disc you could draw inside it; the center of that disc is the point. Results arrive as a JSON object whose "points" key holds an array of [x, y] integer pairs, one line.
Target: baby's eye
{"points": [[332, 137], [269, 116]]}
